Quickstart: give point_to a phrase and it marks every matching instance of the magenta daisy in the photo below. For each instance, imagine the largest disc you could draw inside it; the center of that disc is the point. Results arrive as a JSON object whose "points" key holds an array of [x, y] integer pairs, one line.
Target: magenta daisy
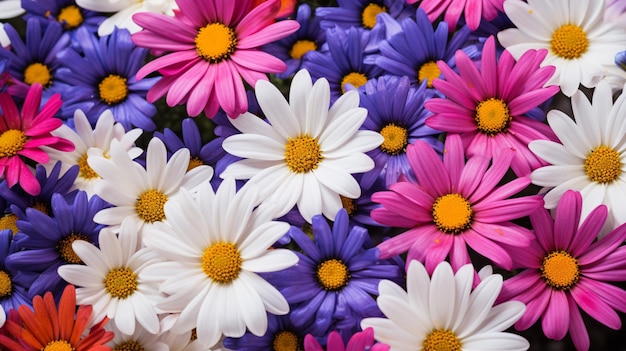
{"points": [[491, 108], [22, 135], [474, 11], [454, 205], [567, 270], [211, 47]]}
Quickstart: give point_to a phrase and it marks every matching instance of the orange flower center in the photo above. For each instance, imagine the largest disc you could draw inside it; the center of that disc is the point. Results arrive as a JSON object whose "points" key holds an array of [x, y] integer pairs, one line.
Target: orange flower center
{"points": [[59, 345], [301, 47], [38, 73], [368, 16], [286, 341], [216, 42], [221, 262], [12, 141], [70, 16], [332, 274], [113, 89]]}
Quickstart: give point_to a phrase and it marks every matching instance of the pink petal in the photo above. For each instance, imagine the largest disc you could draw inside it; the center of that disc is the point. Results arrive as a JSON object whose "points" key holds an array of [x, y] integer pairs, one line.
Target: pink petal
{"points": [[506, 210], [28, 182], [311, 344], [177, 58], [527, 101], [260, 17], [10, 113], [454, 87], [577, 329], [555, 320], [159, 25], [229, 89], [611, 294], [459, 256], [428, 168], [32, 102], [268, 34], [36, 155], [258, 61], [469, 180], [413, 193], [534, 309], [500, 165], [397, 204], [437, 250], [605, 246], [489, 67], [390, 218], [488, 248], [588, 231], [398, 244], [185, 83], [595, 307], [200, 94], [454, 158], [469, 72], [507, 233], [543, 225], [473, 14]]}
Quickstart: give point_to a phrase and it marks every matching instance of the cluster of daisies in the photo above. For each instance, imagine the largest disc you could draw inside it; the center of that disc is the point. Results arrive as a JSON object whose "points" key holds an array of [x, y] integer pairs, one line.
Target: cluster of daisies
{"points": [[360, 175]]}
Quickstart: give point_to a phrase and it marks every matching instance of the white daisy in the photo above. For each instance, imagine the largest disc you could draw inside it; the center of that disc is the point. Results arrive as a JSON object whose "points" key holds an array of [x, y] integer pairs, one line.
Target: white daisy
{"points": [[140, 193], [591, 157], [110, 280], [581, 45], [10, 8], [214, 246], [141, 339], [123, 11], [307, 153], [443, 313], [91, 142]]}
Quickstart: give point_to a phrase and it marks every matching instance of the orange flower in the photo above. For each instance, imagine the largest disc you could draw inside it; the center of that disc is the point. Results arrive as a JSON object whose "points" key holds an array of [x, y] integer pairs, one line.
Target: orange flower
{"points": [[46, 328]]}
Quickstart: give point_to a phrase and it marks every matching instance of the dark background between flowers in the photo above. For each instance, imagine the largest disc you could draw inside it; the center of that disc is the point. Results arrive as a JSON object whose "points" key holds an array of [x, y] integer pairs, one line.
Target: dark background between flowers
{"points": [[602, 338]]}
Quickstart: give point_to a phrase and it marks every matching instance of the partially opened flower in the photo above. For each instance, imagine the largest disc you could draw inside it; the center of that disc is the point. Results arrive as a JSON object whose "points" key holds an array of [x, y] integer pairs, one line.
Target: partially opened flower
{"points": [[590, 156], [211, 48], [443, 312], [580, 44], [567, 270], [307, 153], [489, 107], [23, 133], [48, 327], [453, 205], [213, 248]]}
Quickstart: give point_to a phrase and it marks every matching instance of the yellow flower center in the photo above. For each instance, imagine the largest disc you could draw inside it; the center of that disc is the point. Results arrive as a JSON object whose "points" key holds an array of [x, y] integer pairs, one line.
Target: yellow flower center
{"points": [[603, 164], [569, 42], [59, 345], [332, 274], [215, 42], [452, 213], [441, 340], [70, 16], [38, 73], [221, 262], [302, 154], [6, 287], [64, 246], [149, 206], [85, 171], [193, 163], [12, 141], [286, 341], [120, 282], [368, 16], [9, 221], [560, 270], [130, 345], [492, 116], [41, 207], [113, 89], [395, 139], [356, 79], [429, 71], [301, 47], [348, 204]]}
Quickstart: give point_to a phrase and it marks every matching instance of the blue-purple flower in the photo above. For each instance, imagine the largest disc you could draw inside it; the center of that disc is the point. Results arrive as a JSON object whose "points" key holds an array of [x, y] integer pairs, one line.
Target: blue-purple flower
{"points": [[336, 279], [13, 283], [281, 334], [361, 13], [102, 73]]}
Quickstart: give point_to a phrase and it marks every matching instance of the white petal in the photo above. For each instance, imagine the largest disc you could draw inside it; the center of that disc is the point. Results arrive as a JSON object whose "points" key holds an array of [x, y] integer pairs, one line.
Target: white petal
{"points": [[273, 260]]}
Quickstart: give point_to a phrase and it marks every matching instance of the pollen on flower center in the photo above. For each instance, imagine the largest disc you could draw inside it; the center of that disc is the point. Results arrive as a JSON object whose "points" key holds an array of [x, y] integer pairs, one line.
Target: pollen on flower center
{"points": [[221, 262], [441, 340], [302, 154], [560, 270], [286, 341], [356, 79], [120, 282], [368, 16], [569, 41], [452, 213], [58, 345], [332, 274], [113, 89], [193, 163], [395, 139], [84, 170], [6, 287], [429, 71], [129, 345], [150, 204], [301, 47], [38, 73], [348, 204], [603, 164], [492, 116], [64, 247], [9, 221], [216, 42], [70, 16], [12, 141]]}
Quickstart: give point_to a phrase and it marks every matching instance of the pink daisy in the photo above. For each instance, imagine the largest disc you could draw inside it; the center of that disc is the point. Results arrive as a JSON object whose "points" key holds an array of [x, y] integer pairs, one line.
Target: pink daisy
{"points": [[490, 108], [360, 341], [23, 135], [567, 270], [474, 11], [211, 45], [455, 204]]}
